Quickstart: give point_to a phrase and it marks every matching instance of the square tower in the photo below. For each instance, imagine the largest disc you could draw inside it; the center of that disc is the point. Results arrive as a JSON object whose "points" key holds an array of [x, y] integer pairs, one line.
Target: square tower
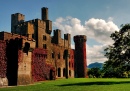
{"points": [[16, 19]]}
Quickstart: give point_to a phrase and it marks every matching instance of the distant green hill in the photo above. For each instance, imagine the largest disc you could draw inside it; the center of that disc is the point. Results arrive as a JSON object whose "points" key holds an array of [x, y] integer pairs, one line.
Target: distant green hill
{"points": [[96, 64]]}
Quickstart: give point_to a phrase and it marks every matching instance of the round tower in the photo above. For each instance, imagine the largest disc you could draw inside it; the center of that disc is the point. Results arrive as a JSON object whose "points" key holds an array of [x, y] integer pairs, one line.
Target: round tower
{"points": [[80, 55]]}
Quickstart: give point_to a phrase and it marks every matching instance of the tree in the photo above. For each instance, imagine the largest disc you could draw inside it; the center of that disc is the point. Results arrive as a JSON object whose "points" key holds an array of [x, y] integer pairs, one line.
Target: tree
{"points": [[94, 72], [118, 54]]}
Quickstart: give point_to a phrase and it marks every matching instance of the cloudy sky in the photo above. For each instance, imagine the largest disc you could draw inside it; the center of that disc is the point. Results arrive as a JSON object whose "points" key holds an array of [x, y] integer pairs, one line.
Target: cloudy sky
{"points": [[96, 19]]}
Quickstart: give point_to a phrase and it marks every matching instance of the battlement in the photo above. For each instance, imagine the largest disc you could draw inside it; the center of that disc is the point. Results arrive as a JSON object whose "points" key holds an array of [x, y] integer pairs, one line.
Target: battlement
{"points": [[57, 31], [18, 14], [44, 8], [36, 21], [39, 21], [31, 21], [80, 38], [67, 36], [17, 17], [7, 36], [28, 23]]}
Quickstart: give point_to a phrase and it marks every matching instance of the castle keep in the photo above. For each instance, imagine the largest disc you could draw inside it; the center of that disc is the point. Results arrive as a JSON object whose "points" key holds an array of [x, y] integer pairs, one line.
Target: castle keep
{"points": [[30, 54]]}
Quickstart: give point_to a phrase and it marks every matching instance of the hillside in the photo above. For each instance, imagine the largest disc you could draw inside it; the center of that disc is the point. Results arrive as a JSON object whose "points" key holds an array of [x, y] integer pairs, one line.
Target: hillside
{"points": [[96, 64]]}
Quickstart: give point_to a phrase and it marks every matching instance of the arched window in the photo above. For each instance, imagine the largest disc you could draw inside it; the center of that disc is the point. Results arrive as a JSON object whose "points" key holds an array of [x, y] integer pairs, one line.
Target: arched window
{"points": [[59, 72], [64, 72], [69, 72], [52, 54]]}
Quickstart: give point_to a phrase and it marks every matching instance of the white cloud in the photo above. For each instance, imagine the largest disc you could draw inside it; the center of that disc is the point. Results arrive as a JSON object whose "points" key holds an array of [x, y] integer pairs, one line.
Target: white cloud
{"points": [[97, 29], [100, 30], [69, 25], [95, 54]]}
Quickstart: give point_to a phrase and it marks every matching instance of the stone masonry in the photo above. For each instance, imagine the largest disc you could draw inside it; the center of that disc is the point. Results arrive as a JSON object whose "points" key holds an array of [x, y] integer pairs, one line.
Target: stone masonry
{"points": [[31, 54]]}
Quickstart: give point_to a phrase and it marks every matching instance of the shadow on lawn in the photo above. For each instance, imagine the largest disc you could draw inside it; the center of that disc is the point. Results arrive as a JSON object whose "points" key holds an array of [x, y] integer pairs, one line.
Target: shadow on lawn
{"points": [[95, 83]]}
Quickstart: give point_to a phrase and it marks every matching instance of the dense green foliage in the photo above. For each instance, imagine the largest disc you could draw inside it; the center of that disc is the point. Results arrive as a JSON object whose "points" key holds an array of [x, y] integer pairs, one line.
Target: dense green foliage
{"points": [[118, 54], [95, 72], [76, 84]]}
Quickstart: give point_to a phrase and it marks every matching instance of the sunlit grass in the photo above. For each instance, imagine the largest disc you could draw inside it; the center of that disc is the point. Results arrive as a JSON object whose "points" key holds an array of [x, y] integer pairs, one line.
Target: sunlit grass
{"points": [[76, 84]]}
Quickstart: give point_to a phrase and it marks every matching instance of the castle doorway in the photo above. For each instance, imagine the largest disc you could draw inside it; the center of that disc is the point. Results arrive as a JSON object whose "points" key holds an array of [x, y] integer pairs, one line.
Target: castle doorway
{"points": [[52, 74]]}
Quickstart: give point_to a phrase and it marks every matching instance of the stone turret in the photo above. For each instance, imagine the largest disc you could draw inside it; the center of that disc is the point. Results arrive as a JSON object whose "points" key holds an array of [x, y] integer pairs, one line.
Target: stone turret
{"points": [[68, 38], [80, 55], [44, 16], [44, 13], [57, 36]]}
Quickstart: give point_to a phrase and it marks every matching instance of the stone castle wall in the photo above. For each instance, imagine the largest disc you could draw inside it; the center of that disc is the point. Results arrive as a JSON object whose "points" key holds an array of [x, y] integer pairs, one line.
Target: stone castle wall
{"points": [[34, 55]]}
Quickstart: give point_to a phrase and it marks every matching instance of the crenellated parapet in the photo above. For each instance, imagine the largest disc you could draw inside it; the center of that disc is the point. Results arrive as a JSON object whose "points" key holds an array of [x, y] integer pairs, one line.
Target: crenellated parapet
{"points": [[64, 42], [80, 38]]}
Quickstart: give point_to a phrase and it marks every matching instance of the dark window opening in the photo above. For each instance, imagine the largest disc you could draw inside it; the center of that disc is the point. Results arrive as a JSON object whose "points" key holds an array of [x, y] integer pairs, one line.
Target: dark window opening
{"points": [[64, 72], [59, 56], [44, 46], [33, 36], [59, 72], [44, 37], [52, 55], [26, 47], [69, 72]]}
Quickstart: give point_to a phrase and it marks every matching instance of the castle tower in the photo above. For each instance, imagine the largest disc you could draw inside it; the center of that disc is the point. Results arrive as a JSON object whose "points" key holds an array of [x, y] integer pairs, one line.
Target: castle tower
{"points": [[80, 55], [16, 19], [44, 13], [68, 38], [57, 36]]}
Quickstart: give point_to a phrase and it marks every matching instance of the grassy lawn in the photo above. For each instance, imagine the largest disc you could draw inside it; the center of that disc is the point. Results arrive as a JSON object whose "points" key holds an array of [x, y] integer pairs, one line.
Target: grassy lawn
{"points": [[76, 84]]}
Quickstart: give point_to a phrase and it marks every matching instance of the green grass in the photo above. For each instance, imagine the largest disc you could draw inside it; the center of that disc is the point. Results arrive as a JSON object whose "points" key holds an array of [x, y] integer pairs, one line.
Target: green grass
{"points": [[76, 84]]}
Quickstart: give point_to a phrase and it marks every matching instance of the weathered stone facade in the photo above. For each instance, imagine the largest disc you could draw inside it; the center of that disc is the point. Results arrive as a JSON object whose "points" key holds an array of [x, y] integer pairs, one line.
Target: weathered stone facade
{"points": [[32, 54]]}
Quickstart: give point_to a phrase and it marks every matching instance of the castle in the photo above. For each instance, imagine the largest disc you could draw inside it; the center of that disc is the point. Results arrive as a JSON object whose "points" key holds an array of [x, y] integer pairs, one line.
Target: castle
{"points": [[30, 54]]}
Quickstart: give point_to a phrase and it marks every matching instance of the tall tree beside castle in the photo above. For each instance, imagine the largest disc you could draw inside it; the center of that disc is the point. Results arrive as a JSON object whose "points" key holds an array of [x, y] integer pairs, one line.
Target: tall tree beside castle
{"points": [[118, 54]]}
